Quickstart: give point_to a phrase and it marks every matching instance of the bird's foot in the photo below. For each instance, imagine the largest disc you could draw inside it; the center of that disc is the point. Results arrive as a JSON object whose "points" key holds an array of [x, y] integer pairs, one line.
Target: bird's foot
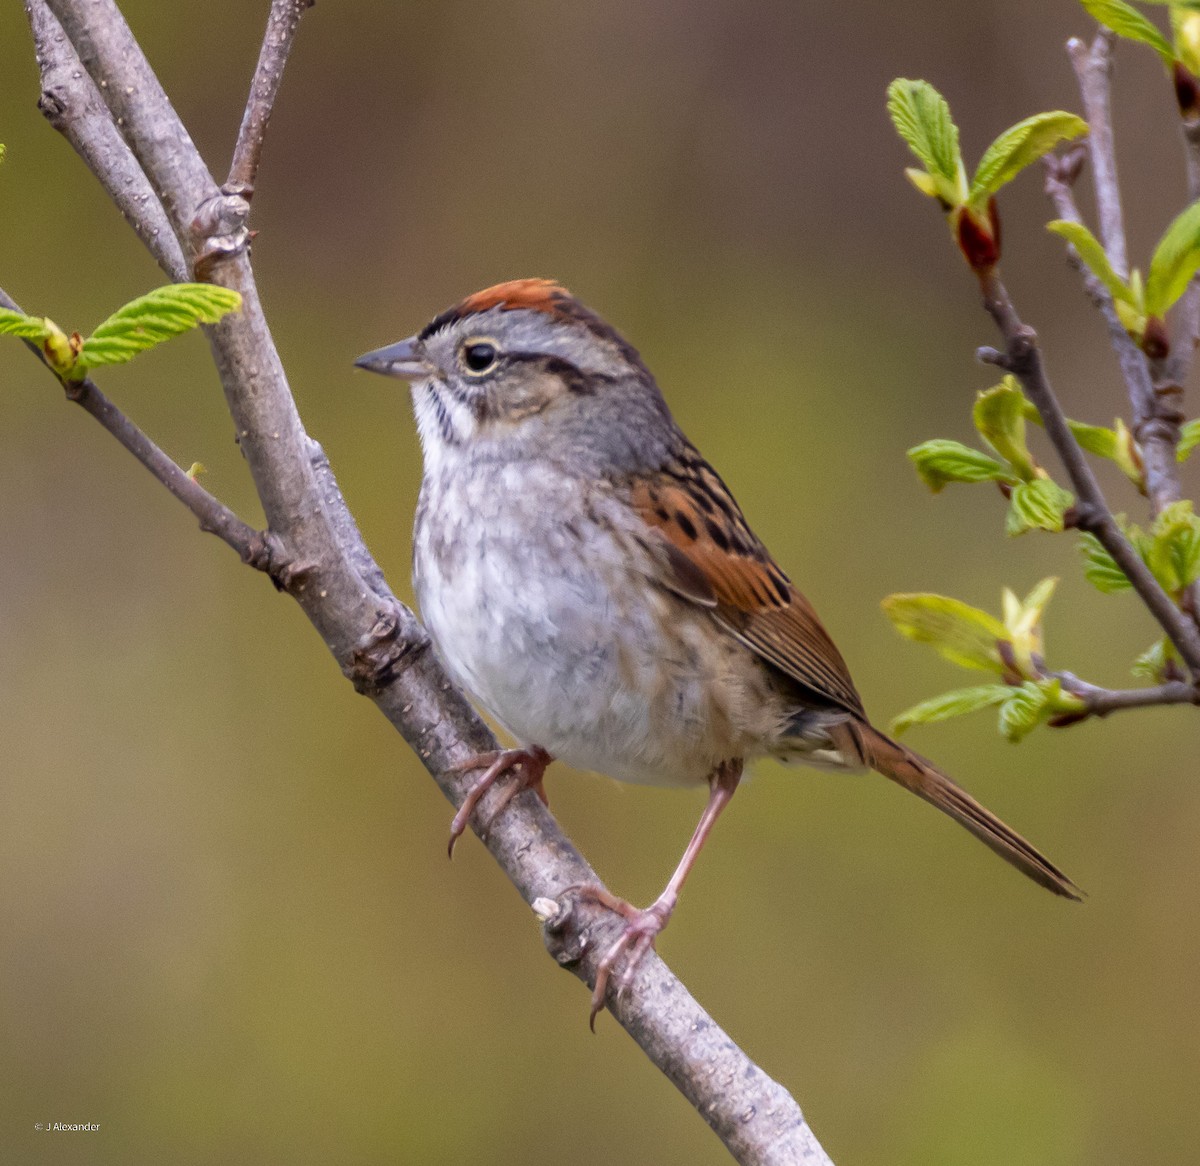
{"points": [[641, 929], [527, 766]]}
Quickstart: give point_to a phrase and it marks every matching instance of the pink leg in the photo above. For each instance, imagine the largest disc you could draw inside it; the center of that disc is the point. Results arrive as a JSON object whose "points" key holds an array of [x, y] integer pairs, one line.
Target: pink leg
{"points": [[642, 926], [527, 766]]}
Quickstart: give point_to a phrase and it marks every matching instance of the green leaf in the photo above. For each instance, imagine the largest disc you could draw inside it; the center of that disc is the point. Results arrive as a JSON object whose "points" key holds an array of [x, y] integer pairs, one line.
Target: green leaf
{"points": [[1094, 257], [26, 327], [1028, 617], [1174, 552], [1128, 454], [155, 317], [964, 635], [950, 704], [1189, 438], [1021, 713], [1100, 568], [925, 183], [1127, 21], [999, 416], [1153, 663], [941, 461], [922, 118], [1018, 147], [1037, 505], [1023, 624], [1095, 439], [1176, 260]]}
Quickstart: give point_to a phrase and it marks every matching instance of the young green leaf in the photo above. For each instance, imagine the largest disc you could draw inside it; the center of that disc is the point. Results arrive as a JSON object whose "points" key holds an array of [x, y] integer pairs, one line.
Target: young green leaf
{"points": [[1023, 623], [1094, 257], [1027, 618], [922, 118], [1176, 260], [950, 704], [941, 461], [924, 182], [1117, 444], [1095, 439], [1189, 438], [963, 634], [1154, 662], [1127, 21], [1023, 710], [1018, 147], [999, 416], [1100, 568], [26, 327], [1174, 551], [157, 316], [1037, 505]]}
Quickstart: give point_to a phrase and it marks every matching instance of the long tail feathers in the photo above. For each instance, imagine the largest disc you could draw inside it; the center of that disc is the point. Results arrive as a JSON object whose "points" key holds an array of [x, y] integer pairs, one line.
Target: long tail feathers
{"points": [[914, 773]]}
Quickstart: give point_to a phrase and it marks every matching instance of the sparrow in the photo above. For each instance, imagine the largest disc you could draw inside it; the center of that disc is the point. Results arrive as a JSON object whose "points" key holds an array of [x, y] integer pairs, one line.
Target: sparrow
{"points": [[587, 577]]}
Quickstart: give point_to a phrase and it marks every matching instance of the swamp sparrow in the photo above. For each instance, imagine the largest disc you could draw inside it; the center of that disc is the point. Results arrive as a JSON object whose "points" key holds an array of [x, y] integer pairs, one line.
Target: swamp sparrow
{"points": [[588, 578]]}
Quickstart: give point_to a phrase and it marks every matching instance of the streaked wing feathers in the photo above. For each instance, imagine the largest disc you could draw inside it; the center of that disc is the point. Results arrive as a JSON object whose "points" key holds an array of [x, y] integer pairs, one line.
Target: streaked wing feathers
{"points": [[715, 560]]}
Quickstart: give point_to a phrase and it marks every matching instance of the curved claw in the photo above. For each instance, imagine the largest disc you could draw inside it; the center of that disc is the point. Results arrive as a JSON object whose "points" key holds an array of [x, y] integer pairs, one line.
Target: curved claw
{"points": [[527, 765], [641, 930]]}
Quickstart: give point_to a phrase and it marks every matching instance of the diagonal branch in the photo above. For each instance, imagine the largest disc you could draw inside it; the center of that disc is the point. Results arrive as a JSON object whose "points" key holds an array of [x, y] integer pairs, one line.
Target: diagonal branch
{"points": [[73, 106], [282, 23], [377, 641], [1023, 358]]}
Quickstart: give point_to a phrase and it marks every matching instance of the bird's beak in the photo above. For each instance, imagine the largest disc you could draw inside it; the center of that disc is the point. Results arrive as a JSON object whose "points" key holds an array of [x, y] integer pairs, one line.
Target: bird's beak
{"points": [[397, 360]]}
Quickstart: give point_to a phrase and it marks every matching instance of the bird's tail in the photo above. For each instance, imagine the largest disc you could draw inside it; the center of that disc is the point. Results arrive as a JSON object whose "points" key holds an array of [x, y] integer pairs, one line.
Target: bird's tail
{"points": [[912, 771]]}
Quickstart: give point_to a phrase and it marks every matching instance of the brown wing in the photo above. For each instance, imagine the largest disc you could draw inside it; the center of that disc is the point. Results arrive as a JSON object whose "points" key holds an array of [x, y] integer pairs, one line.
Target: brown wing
{"points": [[712, 557]]}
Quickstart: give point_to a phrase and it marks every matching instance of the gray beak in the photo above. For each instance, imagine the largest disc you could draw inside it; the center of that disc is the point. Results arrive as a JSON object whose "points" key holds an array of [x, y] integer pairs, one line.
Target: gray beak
{"points": [[396, 360]]}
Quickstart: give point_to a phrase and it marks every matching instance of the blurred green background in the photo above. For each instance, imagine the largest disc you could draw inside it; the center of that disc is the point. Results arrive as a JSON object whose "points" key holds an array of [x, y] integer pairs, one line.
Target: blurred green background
{"points": [[228, 930]]}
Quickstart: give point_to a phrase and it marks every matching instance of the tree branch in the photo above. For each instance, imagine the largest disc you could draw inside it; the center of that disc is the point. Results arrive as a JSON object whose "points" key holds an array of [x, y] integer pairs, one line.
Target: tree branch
{"points": [[376, 640], [1093, 68], [1153, 393], [1102, 701], [1171, 372], [1022, 357], [1156, 437], [72, 104], [215, 517], [282, 23]]}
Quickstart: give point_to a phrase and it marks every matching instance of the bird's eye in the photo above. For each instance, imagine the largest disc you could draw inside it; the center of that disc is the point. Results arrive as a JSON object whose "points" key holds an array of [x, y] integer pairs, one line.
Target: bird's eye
{"points": [[479, 356]]}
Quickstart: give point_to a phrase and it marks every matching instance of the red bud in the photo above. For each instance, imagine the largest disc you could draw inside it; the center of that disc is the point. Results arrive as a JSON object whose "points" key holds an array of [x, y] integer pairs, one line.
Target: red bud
{"points": [[1187, 90], [978, 241]]}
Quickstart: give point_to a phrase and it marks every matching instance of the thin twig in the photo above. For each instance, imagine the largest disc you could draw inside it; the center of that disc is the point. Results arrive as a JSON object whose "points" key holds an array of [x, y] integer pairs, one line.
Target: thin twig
{"points": [[1093, 68], [72, 104], [379, 642], [1155, 402], [1022, 357], [1155, 435], [214, 516], [1186, 323], [1102, 701], [282, 23]]}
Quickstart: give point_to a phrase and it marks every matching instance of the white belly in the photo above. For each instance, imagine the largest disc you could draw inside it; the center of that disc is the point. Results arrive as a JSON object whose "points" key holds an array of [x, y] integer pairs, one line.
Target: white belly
{"points": [[568, 646]]}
